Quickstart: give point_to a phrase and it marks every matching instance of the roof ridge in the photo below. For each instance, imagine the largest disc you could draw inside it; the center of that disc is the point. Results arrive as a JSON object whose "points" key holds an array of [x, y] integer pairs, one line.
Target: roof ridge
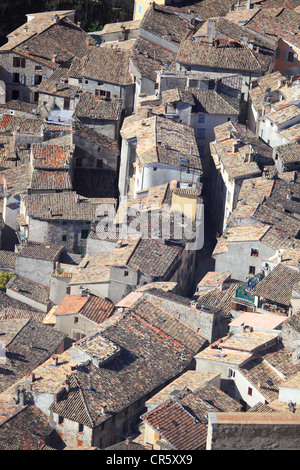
{"points": [[75, 378]]}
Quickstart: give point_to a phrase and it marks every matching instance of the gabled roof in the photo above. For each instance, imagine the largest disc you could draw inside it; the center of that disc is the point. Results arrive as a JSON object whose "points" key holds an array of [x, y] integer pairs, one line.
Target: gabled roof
{"points": [[45, 36], [177, 426], [277, 285], [26, 429], [91, 307], [29, 347], [149, 357]]}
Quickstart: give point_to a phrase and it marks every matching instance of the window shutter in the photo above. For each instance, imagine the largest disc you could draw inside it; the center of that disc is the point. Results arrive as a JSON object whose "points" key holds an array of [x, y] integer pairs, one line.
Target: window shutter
{"points": [[295, 58], [31, 79], [22, 78], [44, 77], [10, 77]]}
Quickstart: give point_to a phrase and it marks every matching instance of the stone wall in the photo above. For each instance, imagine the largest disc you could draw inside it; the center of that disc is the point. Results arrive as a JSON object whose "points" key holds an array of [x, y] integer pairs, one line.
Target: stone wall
{"points": [[280, 431], [24, 85]]}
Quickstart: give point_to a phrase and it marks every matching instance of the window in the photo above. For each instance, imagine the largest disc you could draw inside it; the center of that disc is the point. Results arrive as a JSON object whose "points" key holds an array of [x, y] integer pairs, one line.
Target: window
{"points": [[16, 78], [76, 320], [38, 68], [104, 93], [250, 391], [84, 234], [19, 62], [251, 269], [60, 420], [80, 427], [254, 252], [201, 133], [201, 118], [291, 57], [79, 443], [126, 273], [78, 162], [38, 79], [64, 238], [211, 84], [231, 373], [66, 103], [277, 53], [35, 97], [81, 250], [99, 163], [140, 9]]}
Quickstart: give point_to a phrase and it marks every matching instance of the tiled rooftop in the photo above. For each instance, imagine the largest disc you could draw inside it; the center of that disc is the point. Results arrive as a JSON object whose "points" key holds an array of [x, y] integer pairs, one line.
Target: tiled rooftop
{"points": [[95, 107], [148, 58], [277, 285], [66, 40], [32, 344], [289, 153], [91, 307], [108, 64], [158, 358], [191, 379], [224, 57], [8, 259], [163, 140], [177, 426], [27, 429], [165, 23], [29, 289], [240, 234], [35, 250], [63, 206]]}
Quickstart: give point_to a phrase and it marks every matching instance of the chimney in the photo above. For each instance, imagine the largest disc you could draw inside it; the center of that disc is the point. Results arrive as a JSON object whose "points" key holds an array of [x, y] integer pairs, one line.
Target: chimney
{"points": [[79, 24], [54, 57], [119, 244], [54, 360], [148, 446], [211, 29], [235, 146], [103, 409], [21, 397], [30, 377], [67, 384], [216, 43]]}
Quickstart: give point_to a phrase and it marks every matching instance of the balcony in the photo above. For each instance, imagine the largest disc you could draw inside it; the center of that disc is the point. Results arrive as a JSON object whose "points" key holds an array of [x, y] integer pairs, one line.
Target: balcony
{"points": [[244, 291]]}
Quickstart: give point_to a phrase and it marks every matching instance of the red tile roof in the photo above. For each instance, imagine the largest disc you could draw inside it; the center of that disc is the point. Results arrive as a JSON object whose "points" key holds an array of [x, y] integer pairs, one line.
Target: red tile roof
{"points": [[174, 424]]}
